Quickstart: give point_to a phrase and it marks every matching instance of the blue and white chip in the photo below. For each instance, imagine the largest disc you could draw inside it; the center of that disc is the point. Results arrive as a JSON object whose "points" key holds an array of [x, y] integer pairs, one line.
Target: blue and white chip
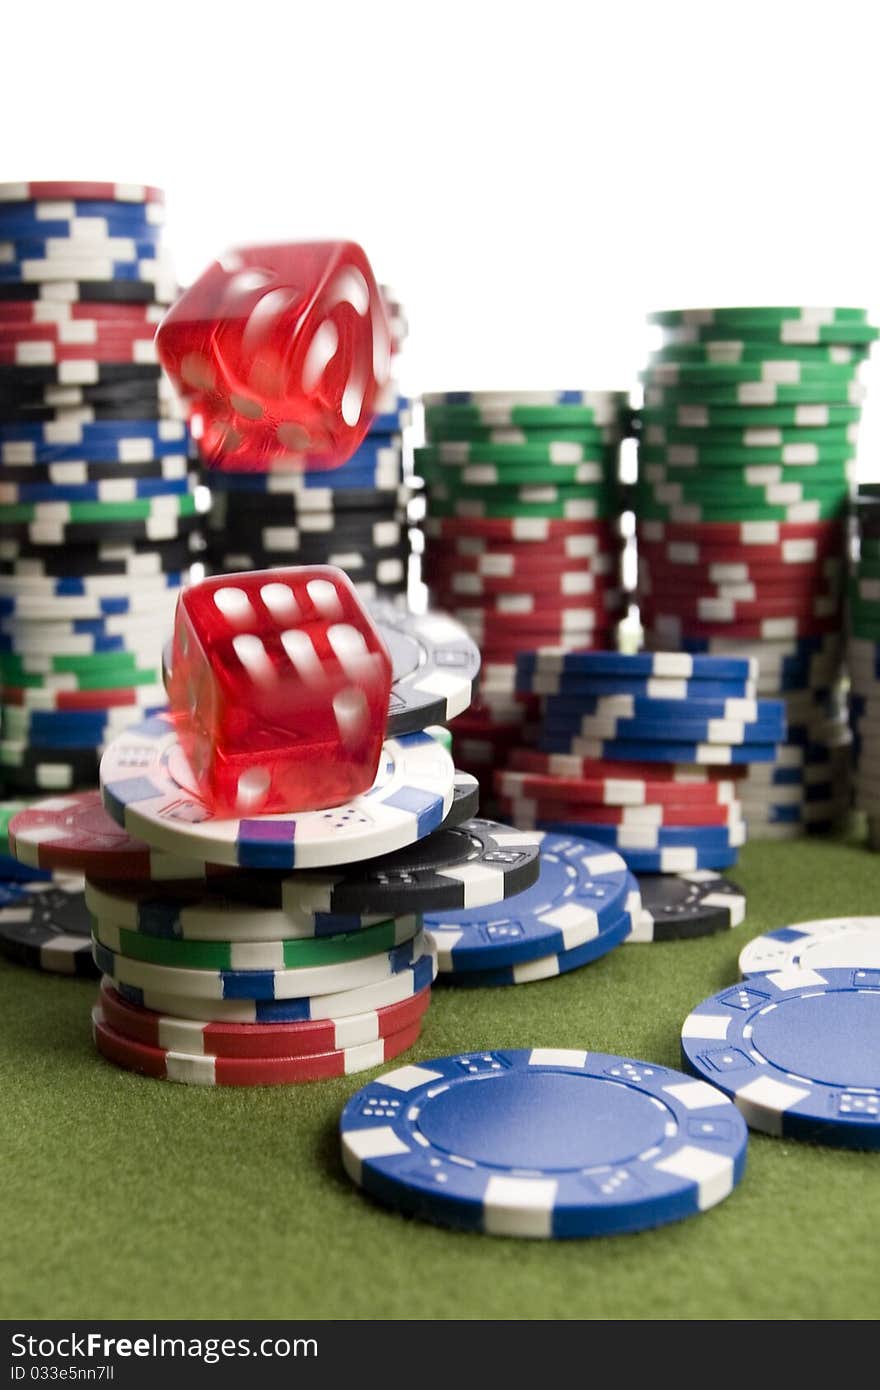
{"points": [[547, 1143], [797, 1050], [828, 943]]}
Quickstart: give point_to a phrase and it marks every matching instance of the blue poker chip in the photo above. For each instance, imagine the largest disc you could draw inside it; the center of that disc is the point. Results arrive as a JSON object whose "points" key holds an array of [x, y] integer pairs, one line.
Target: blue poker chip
{"points": [[655, 837], [547, 967], [624, 750], [581, 892], [82, 230], [720, 733], [96, 433], [668, 665], [12, 873], [668, 859], [828, 943], [798, 1051], [621, 706], [382, 470], [577, 687], [547, 1143], [75, 729], [41, 248], [49, 587], [134, 489], [42, 209]]}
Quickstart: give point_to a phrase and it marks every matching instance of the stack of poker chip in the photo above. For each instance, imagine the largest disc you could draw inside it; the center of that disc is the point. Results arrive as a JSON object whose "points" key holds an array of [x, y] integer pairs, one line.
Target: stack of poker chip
{"points": [[746, 455], [354, 516], [97, 506], [644, 754], [793, 1045], [863, 657], [521, 538]]}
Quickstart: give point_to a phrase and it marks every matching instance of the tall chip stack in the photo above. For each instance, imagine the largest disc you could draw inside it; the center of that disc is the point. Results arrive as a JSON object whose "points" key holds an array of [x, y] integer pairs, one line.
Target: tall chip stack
{"points": [[97, 505], [354, 516], [746, 458], [521, 538], [863, 657]]}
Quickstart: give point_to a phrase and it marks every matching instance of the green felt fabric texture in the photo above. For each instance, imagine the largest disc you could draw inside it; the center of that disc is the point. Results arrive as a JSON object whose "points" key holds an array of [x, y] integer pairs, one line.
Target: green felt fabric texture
{"points": [[131, 1198]]}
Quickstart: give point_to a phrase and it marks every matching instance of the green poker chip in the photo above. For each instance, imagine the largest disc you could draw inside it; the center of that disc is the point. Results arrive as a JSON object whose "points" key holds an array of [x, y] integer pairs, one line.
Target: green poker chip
{"points": [[73, 513], [481, 475], [841, 438], [709, 375], [579, 509], [791, 456], [790, 333], [757, 394], [735, 350], [552, 452], [439, 418], [747, 418], [767, 314], [731, 493], [594, 437], [649, 508]]}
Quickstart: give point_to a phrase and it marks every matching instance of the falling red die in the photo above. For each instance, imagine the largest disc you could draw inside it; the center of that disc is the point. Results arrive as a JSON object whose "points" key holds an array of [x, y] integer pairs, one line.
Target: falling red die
{"points": [[279, 684], [281, 351]]}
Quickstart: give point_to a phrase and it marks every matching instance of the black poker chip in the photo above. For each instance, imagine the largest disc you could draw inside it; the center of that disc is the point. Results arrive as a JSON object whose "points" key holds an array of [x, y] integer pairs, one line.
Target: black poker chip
{"points": [[96, 291], [98, 373], [49, 769], [96, 559], [676, 906], [47, 927], [456, 867]]}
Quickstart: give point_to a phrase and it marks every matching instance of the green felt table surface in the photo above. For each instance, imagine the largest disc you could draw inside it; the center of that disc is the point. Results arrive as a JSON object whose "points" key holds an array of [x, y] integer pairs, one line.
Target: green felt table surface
{"points": [[131, 1198]]}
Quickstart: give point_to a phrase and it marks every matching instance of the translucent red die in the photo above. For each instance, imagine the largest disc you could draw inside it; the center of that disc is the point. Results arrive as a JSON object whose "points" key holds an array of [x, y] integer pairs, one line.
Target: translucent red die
{"points": [[280, 350], [279, 686]]}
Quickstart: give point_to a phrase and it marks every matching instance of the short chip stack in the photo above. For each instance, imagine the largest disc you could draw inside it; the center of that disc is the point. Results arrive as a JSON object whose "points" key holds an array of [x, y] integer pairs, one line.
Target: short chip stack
{"points": [[863, 657], [97, 505], [644, 754], [354, 516], [521, 536], [746, 456]]}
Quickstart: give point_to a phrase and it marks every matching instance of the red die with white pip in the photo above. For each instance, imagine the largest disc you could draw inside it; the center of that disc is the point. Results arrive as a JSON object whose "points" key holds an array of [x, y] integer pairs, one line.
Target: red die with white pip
{"points": [[281, 351], [279, 686]]}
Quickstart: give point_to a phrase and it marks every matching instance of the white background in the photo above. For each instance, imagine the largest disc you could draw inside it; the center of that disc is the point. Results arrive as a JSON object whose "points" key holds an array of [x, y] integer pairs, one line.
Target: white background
{"points": [[531, 178]]}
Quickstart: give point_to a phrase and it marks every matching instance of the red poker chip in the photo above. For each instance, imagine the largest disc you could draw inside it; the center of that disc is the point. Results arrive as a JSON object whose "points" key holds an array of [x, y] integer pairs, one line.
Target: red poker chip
{"points": [[744, 533], [68, 190], [310, 1038], [766, 630], [73, 699], [559, 552], [77, 330], [795, 554], [591, 769], [496, 653], [566, 586], [41, 313], [663, 594], [526, 604], [615, 792], [708, 608], [118, 349], [526, 812], [72, 831], [773, 576], [168, 1065]]}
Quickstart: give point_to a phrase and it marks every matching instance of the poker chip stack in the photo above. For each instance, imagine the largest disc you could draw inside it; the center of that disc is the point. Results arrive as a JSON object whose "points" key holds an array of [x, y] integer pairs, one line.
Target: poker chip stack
{"points": [[746, 455], [521, 537], [644, 754], [97, 506], [354, 516], [863, 657]]}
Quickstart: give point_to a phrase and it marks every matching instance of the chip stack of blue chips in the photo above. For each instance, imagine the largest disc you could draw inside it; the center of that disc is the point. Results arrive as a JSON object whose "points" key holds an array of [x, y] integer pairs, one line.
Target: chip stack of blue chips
{"points": [[747, 447], [863, 657], [679, 730], [98, 505], [354, 516]]}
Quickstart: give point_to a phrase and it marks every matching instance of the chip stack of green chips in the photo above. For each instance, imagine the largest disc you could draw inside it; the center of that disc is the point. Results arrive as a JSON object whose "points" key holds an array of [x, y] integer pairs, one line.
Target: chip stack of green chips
{"points": [[747, 450], [521, 538]]}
